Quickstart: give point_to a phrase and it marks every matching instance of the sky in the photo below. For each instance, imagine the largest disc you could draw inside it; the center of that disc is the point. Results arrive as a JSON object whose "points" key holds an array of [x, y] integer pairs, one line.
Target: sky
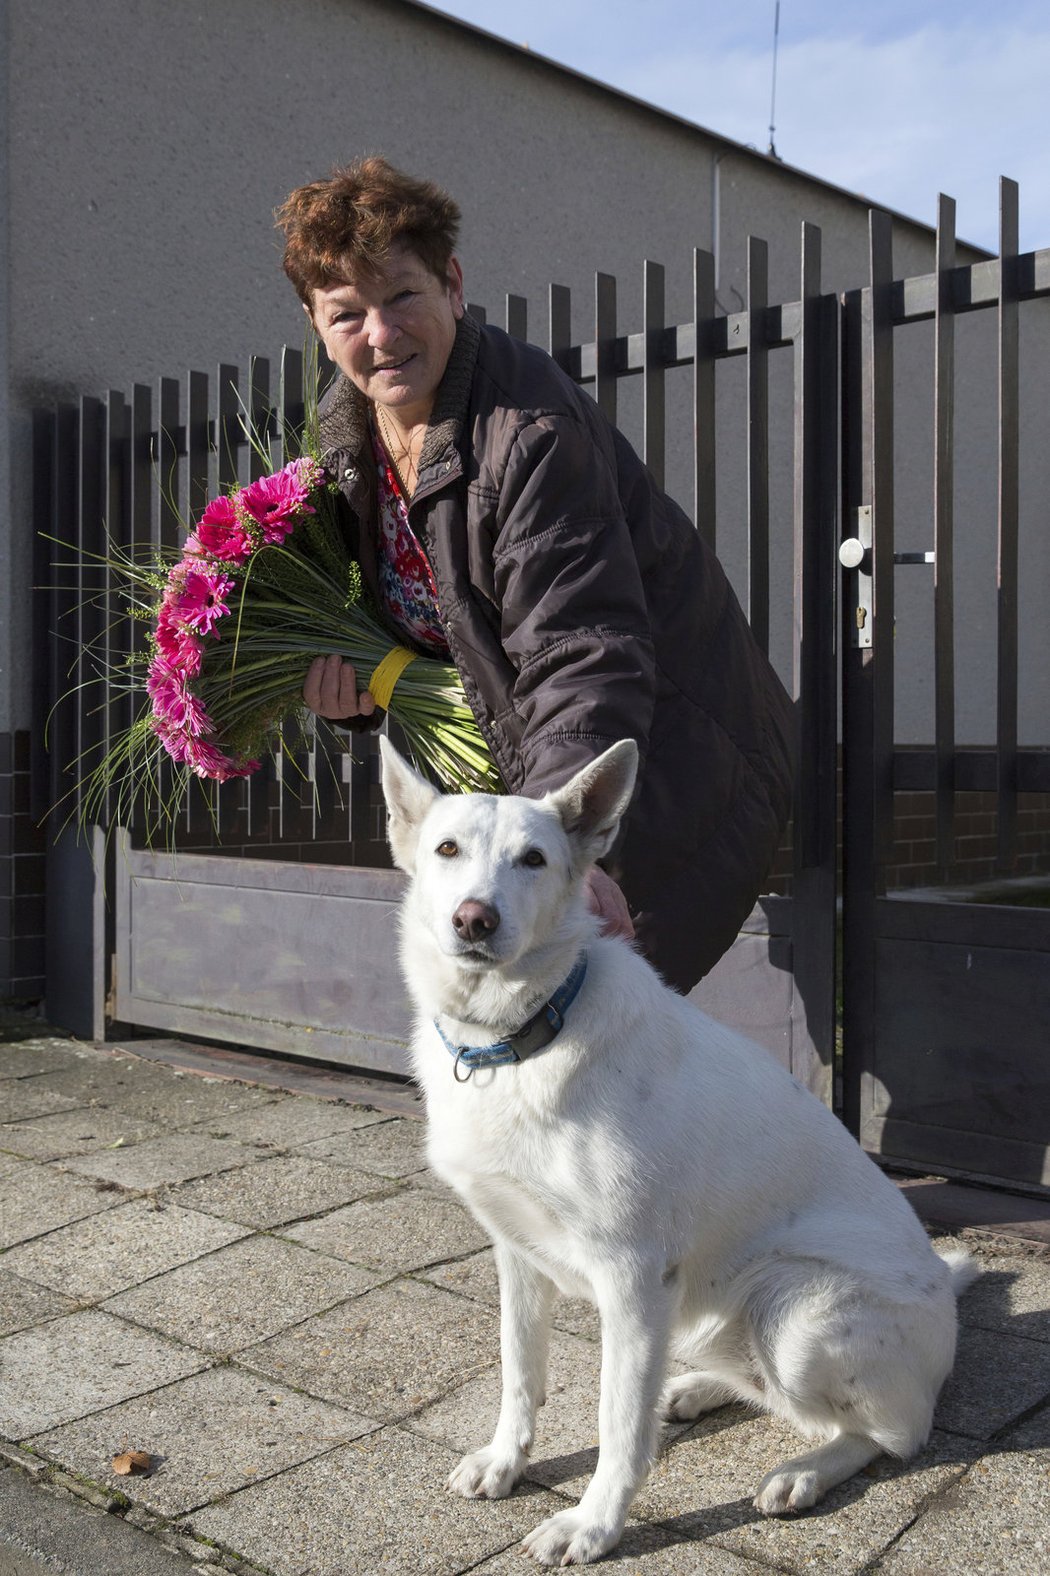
{"points": [[895, 99]]}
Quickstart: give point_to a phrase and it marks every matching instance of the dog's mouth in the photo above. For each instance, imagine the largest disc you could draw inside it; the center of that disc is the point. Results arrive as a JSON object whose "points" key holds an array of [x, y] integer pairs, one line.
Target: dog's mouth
{"points": [[478, 952]]}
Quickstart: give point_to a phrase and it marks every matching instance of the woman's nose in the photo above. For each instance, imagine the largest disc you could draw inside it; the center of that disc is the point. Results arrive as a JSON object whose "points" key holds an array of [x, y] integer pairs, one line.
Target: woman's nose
{"points": [[383, 328]]}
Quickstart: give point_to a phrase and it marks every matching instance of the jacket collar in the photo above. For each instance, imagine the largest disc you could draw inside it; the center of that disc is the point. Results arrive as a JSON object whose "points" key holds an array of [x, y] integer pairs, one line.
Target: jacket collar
{"points": [[343, 415]]}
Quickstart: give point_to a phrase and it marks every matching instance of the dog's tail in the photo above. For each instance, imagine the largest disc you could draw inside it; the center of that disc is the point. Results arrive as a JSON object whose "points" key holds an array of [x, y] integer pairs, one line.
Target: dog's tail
{"points": [[963, 1269]]}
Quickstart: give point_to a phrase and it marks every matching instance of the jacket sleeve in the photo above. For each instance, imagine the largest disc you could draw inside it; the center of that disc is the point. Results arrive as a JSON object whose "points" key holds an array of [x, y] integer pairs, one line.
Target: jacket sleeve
{"points": [[574, 623]]}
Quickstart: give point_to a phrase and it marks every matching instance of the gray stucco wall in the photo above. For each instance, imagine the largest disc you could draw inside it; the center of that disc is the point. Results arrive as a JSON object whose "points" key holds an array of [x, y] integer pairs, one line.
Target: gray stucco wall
{"points": [[149, 141]]}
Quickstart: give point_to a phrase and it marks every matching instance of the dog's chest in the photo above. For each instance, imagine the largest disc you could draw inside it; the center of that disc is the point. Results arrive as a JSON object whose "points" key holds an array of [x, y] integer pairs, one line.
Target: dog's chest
{"points": [[513, 1172]]}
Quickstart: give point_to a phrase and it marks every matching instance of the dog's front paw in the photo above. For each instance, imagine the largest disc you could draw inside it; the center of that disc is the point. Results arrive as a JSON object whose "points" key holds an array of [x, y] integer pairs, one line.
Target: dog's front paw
{"points": [[784, 1491], [569, 1539], [487, 1474]]}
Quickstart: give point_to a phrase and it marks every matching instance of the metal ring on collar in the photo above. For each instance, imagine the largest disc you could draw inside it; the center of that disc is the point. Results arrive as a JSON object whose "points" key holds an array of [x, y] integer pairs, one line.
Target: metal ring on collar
{"points": [[455, 1066]]}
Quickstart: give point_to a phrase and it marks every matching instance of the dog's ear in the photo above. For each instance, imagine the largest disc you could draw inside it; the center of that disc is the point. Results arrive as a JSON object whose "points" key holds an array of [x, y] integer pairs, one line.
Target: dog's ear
{"points": [[408, 798], [592, 803]]}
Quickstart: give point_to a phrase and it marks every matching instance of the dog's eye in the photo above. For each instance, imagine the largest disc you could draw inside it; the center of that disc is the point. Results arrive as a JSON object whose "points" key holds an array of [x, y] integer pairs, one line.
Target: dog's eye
{"points": [[534, 859], [448, 849]]}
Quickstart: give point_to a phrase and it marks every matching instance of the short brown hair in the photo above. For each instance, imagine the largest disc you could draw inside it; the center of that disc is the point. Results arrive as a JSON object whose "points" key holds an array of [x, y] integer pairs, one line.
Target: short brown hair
{"points": [[348, 224]]}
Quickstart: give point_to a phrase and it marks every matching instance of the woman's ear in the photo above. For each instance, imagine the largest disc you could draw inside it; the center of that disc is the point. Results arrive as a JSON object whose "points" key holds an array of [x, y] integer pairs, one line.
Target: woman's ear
{"points": [[317, 331], [454, 278]]}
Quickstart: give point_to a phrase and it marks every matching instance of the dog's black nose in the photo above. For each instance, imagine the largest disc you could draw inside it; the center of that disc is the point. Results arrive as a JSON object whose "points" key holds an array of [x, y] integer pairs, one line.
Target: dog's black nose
{"points": [[473, 921]]}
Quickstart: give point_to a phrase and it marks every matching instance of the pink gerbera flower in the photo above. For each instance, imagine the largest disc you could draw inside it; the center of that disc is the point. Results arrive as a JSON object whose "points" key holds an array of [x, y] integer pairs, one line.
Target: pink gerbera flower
{"points": [[200, 602], [173, 702], [180, 647], [173, 739], [223, 533], [276, 501], [207, 760]]}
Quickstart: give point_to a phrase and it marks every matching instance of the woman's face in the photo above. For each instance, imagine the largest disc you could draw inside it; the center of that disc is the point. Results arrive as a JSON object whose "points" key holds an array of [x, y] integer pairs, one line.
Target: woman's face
{"points": [[392, 334]]}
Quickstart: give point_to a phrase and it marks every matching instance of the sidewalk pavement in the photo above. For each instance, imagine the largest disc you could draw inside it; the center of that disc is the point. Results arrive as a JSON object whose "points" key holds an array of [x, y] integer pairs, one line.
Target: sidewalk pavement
{"points": [[253, 1278]]}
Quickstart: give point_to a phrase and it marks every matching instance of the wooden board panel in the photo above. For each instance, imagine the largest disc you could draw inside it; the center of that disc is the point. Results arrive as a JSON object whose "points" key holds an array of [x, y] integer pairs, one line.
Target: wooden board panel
{"points": [[301, 959]]}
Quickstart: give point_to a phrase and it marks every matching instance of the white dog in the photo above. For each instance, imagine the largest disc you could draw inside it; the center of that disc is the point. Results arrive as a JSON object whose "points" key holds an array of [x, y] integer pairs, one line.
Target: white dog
{"points": [[620, 1145]]}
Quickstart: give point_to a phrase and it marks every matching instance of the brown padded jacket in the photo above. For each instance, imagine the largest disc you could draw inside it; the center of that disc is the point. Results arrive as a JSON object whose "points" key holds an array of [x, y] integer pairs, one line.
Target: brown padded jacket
{"points": [[581, 607]]}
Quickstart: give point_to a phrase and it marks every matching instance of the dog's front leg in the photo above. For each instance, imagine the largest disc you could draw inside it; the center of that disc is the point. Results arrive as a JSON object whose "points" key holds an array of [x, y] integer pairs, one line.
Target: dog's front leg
{"points": [[525, 1309], [635, 1303]]}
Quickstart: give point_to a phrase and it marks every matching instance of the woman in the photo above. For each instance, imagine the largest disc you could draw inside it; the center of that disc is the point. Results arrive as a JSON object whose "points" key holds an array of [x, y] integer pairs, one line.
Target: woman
{"points": [[502, 521]]}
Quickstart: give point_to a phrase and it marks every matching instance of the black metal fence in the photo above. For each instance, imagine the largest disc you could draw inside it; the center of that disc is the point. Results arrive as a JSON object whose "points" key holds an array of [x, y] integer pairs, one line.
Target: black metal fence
{"points": [[128, 469]]}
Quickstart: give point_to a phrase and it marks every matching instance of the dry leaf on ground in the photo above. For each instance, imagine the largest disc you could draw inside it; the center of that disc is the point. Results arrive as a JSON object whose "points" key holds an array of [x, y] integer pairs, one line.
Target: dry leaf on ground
{"points": [[132, 1462]]}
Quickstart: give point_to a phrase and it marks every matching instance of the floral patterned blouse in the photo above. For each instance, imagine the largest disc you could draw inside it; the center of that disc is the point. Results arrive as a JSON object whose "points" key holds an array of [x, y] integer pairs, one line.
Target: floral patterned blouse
{"points": [[406, 581]]}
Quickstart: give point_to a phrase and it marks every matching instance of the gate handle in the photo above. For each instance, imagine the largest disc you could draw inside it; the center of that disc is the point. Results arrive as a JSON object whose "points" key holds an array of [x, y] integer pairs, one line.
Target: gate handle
{"points": [[853, 554]]}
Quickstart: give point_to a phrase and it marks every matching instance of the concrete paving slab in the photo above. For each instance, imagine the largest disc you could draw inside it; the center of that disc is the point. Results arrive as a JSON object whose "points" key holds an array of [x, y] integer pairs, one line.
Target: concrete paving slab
{"points": [[162, 1162], [704, 1485], [644, 1550], [45, 1054], [37, 1199], [387, 1353], [405, 1232], [105, 1254], [379, 1504], [80, 1364], [274, 1192], [211, 1434], [152, 1092], [43, 1533], [394, 1148], [994, 1519], [996, 1378], [80, 1131], [241, 1294], [1012, 1292], [22, 1304], [28, 1097], [476, 1277], [289, 1122]]}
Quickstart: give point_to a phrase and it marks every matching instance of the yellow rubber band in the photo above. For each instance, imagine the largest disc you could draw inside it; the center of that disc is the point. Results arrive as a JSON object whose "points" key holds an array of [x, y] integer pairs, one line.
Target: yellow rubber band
{"points": [[386, 675]]}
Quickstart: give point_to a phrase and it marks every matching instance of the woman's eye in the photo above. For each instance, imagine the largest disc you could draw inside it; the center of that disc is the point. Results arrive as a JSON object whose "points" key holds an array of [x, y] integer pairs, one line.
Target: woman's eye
{"points": [[534, 859], [448, 849]]}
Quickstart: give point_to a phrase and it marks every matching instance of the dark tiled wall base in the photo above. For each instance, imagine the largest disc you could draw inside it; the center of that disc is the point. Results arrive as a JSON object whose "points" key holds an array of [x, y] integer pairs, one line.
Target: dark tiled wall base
{"points": [[21, 877]]}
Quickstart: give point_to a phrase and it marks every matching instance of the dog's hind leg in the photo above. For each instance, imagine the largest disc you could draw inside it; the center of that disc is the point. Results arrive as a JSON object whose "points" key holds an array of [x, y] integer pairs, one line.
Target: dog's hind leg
{"points": [[799, 1483], [686, 1396], [525, 1307], [635, 1303]]}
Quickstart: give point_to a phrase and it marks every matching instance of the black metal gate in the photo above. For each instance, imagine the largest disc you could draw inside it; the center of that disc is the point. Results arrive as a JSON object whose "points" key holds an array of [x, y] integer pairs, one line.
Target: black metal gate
{"points": [[947, 1003]]}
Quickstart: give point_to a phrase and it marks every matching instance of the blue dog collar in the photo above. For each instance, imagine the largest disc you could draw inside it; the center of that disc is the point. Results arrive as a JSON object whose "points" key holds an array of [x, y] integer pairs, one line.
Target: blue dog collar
{"points": [[541, 1030]]}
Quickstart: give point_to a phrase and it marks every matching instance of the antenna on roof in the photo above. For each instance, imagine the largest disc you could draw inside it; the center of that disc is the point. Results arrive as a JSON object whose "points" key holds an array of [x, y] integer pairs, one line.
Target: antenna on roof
{"points": [[773, 98]]}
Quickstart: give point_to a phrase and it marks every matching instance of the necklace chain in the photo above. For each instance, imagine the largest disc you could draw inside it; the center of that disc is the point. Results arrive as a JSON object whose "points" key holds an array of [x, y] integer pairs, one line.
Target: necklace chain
{"points": [[404, 452]]}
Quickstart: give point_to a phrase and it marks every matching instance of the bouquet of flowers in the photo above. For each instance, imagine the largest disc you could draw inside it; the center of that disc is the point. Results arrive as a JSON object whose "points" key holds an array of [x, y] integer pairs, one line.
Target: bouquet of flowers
{"points": [[263, 584]]}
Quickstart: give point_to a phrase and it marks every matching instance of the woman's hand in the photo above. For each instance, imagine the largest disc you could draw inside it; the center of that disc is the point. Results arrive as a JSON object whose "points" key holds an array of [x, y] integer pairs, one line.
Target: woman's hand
{"points": [[605, 899], [331, 690]]}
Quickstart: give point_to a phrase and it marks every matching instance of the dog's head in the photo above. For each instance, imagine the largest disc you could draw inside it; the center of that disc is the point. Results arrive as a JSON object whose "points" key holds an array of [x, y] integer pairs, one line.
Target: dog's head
{"points": [[494, 877]]}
